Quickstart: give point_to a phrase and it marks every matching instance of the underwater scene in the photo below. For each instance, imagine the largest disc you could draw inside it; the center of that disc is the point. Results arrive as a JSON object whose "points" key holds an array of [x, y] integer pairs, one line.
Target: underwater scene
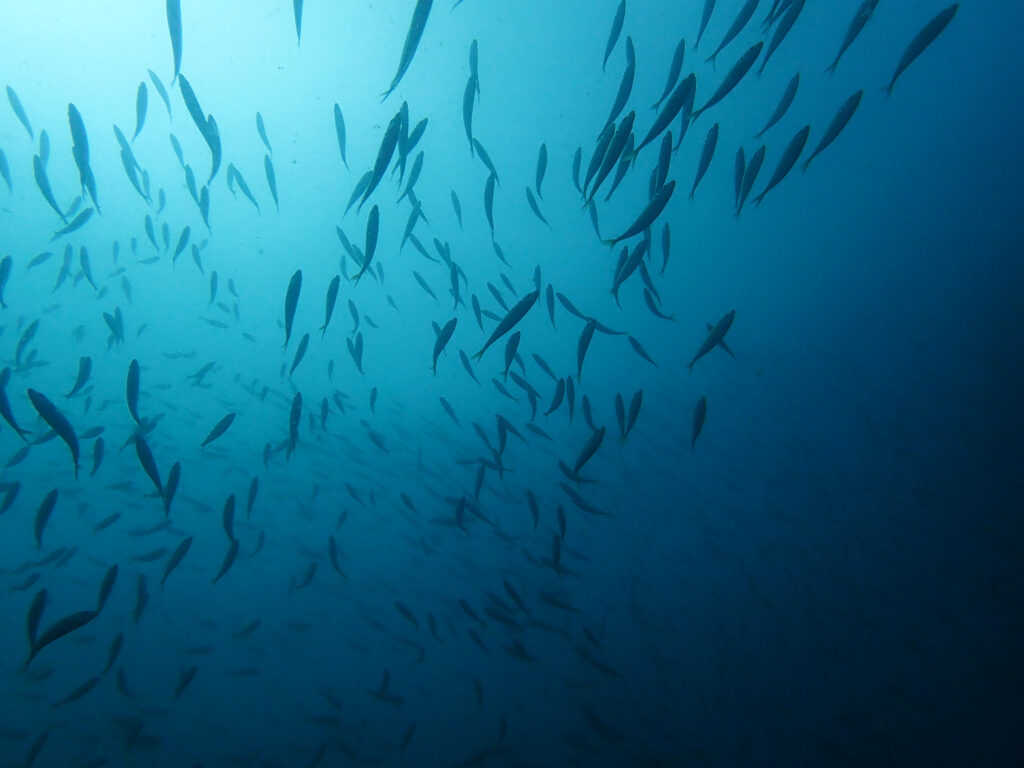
{"points": [[475, 383]]}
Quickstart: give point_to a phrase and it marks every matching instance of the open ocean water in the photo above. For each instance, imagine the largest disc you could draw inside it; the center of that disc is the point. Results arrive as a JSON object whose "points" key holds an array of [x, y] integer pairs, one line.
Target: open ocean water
{"points": [[451, 429]]}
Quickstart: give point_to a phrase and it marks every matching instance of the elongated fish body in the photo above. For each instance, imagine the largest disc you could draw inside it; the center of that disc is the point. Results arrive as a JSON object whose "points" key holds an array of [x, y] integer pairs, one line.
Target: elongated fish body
{"points": [[141, 103], [5, 171], [219, 429], [839, 122], [442, 340], [860, 20], [59, 629], [161, 91], [705, 17], [174, 29], [648, 215], [384, 154], [229, 560], [750, 176], [921, 41], [682, 92], [19, 111], [58, 423], [412, 41], [744, 16], [514, 315], [132, 390], [732, 79], [739, 169], [332, 298], [43, 515], [148, 462], [6, 265], [176, 557], [372, 230], [785, 25], [468, 100], [714, 337], [291, 301], [706, 155], [339, 129], [613, 34], [80, 150], [699, 415], [784, 104], [673, 72], [489, 201], [297, 11], [268, 167], [603, 142], [532, 201], [542, 167], [615, 149], [786, 162], [626, 84]]}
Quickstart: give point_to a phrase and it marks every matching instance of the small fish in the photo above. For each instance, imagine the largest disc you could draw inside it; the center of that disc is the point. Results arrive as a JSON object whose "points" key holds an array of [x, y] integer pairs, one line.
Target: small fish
{"points": [[699, 415], [219, 429], [174, 28], [412, 41], [786, 162], [860, 19], [613, 35], [58, 423], [714, 337], [291, 301], [839, 122], [921, 41], [141, 103], [783, 106], [176, 557]]}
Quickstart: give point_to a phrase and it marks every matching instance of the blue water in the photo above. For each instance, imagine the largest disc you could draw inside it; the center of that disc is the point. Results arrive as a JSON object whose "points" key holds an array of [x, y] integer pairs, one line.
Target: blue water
{"points": [[830, 574]]}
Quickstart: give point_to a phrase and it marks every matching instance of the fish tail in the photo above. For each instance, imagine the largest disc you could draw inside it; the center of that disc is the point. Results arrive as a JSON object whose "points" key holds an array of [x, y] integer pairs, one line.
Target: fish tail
{"points": [[831, 69], [806, 164]]}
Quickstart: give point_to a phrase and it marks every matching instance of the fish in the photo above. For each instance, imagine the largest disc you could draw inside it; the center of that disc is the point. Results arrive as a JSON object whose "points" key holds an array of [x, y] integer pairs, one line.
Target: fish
{"points": [[680, 96], [785, 25], [647, 217], [19, 111], [141, 103], [385, 152], [297, 12], [5, 171], [161, 91], [80, 150], [839, 122], [613, 35], [6, 265], [132, 390], [700, 413], [457, 207], [332, 297], [750, 176], [705, 17], [58, 423], [43, 182], [148, 462], [176, 557], [786, 162], [468, 100], [339, 129], [97, 455], [860, 20], [626, 84], [268, 167], [291, 301], [229, 560], [77, 223], [534, 207], [219, 429], [372, 230], [921, 41], [60, 628], [489, 201], [186, 677], [412, 40], [714, 337], [744, 16], [706, 154], [106, 587], [674, 69], [174, 29], [43, 515], [732, 79], [442, 340], [783, 106], [507, 323]]}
